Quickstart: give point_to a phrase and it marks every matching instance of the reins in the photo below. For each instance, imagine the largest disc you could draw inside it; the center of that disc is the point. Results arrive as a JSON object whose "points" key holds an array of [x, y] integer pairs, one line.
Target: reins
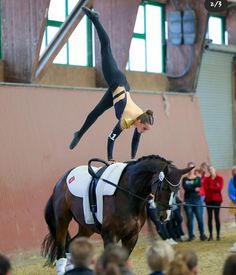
{"points": [[130, 192], [124, 189]]}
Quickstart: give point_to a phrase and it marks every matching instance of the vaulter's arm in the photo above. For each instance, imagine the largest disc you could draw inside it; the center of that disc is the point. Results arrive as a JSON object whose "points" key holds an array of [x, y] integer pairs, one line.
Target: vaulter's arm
{"points": [[135, 143], [111, 140]]}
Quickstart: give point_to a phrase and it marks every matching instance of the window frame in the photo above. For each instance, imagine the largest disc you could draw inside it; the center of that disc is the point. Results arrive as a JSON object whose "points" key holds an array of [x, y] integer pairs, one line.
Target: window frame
{"points": [[58, 24], [223, 27], [143, 35]]}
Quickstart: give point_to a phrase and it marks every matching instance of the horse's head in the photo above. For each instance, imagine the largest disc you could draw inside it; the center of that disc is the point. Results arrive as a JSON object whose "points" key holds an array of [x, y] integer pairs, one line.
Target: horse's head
{"points": [[165, 185], [160, 177]]}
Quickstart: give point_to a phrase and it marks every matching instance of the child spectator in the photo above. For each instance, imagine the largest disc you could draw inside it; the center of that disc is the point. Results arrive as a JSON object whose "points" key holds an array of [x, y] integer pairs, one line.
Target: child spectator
{"points": [[158, 256], [114, 260], [82, 256], [230, 265], [191, 260], [5, 265], [178, 267]]}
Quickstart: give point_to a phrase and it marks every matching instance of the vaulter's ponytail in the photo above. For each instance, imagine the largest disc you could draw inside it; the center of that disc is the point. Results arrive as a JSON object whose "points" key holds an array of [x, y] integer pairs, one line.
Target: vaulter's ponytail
{"points": [[147, 117]]}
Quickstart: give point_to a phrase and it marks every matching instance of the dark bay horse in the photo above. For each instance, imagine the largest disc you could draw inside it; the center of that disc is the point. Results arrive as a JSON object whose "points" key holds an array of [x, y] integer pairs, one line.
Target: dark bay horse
{"points": [[124, 213]]}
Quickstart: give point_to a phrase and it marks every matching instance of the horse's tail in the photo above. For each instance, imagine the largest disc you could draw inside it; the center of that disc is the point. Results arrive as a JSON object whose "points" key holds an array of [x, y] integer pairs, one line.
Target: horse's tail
{"points": [[49, 248]]}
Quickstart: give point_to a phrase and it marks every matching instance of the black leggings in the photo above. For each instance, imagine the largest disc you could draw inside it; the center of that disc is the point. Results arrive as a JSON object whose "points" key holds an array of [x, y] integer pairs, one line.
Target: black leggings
{"points": [[216, 211], [113, 76]]}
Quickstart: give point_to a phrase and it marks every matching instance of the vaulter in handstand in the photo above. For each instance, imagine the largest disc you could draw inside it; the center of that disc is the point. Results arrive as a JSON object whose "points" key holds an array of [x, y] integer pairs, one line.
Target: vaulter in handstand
{"points": [[127, 112]]}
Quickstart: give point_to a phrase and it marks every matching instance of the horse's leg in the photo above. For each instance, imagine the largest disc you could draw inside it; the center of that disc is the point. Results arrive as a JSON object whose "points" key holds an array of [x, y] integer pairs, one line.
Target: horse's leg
{"points": [[62, 223], [108, 237], [82, 232], [129, 241]]}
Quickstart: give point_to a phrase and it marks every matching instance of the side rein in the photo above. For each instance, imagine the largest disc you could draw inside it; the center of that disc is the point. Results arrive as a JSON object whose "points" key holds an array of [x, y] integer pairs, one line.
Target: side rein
{"points": [[157, 183]]}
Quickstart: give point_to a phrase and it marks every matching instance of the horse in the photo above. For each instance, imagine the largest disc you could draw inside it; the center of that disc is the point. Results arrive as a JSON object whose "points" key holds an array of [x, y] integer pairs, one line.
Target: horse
{"points": [[124, 213]]}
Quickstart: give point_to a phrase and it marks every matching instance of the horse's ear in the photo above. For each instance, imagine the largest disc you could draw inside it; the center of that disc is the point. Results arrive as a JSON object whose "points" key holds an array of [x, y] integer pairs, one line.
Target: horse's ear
{"points": [[186, 170]]}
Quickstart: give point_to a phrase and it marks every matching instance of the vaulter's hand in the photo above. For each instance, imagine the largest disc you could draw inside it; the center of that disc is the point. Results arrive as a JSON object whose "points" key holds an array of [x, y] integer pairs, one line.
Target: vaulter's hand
{"points": [[75, 141], [111, 161]]}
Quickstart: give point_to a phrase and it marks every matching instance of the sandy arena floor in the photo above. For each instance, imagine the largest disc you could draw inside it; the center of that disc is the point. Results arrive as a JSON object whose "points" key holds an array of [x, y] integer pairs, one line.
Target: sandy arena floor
{"points": [[211, 255]]}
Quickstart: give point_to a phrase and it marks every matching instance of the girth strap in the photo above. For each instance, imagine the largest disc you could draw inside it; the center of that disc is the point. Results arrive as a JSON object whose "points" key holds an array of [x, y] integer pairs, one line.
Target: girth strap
{"points": [[92, 196]]}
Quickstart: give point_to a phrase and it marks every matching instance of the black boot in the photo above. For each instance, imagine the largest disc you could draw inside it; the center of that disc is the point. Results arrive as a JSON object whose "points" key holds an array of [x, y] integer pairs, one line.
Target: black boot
{"points": [[75, 140], [90, 13], [203, 237], [210, 238]]}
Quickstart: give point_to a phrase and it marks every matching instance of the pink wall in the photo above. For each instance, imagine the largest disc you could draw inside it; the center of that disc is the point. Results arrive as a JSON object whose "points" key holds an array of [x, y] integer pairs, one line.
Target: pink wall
{"points": [[36, 129]]}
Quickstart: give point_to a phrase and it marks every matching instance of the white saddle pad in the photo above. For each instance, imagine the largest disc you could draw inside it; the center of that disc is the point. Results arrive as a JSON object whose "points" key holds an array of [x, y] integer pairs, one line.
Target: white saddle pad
{"points": [[78, 182]]}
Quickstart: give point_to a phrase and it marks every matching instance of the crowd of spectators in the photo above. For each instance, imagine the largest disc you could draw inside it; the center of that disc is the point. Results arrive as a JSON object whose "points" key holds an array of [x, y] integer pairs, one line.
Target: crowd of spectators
{"points": [[200, 189], [160, 257]]}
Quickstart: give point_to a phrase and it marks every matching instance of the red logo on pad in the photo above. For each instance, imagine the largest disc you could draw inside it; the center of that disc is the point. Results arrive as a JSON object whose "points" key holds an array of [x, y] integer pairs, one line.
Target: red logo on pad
{"points": [[71, 179]]}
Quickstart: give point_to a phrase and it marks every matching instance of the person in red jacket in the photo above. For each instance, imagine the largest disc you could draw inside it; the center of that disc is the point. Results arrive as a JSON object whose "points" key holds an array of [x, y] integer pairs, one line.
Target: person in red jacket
{"points": [[213, 186]]}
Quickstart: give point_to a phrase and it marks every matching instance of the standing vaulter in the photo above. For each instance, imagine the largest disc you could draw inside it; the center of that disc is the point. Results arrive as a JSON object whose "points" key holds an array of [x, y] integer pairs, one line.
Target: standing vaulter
{"points": [[127, 112]]}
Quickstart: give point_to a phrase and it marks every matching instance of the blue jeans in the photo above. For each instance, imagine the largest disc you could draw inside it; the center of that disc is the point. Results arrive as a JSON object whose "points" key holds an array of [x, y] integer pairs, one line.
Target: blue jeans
{"points": [[160, 227], [177, 221], [190, 212]]}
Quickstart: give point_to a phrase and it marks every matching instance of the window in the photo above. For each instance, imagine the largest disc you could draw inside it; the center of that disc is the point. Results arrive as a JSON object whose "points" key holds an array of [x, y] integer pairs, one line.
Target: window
{"points": [[78, 49], [147, 45], [216, 30]]}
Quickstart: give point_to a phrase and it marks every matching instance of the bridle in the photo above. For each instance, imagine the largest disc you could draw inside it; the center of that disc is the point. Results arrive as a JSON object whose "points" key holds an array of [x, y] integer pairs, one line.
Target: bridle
{"points": [[159, 179]]}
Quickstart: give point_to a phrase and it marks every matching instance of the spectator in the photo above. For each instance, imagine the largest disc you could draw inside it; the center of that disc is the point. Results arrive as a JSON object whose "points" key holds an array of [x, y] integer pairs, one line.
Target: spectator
{"points": [[198, 173], [201, 172], [178, 267], [232, 191], [161, 228], [232, 196], [213, 186], [159, 256], [82, 256], [230, 265], [5, 265], [114, 260], [178, 219], [191, 185], [204, 170], [191, 260], [174, 226]]}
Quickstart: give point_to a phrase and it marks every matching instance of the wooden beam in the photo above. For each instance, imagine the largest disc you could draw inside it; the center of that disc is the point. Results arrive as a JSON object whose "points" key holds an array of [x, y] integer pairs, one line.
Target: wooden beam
{"points": [[179, 56], [21, 25], [61, 38], [231, 25], [118, 18]]}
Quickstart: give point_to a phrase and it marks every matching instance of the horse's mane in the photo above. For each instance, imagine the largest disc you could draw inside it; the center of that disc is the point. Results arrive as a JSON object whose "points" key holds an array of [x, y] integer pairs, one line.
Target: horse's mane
{"points": [[141, 170], [144, 163]]}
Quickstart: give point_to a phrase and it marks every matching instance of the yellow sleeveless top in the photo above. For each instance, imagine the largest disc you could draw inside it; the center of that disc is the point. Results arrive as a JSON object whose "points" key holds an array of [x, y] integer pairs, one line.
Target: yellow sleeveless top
{"points": [[131, 111]]}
